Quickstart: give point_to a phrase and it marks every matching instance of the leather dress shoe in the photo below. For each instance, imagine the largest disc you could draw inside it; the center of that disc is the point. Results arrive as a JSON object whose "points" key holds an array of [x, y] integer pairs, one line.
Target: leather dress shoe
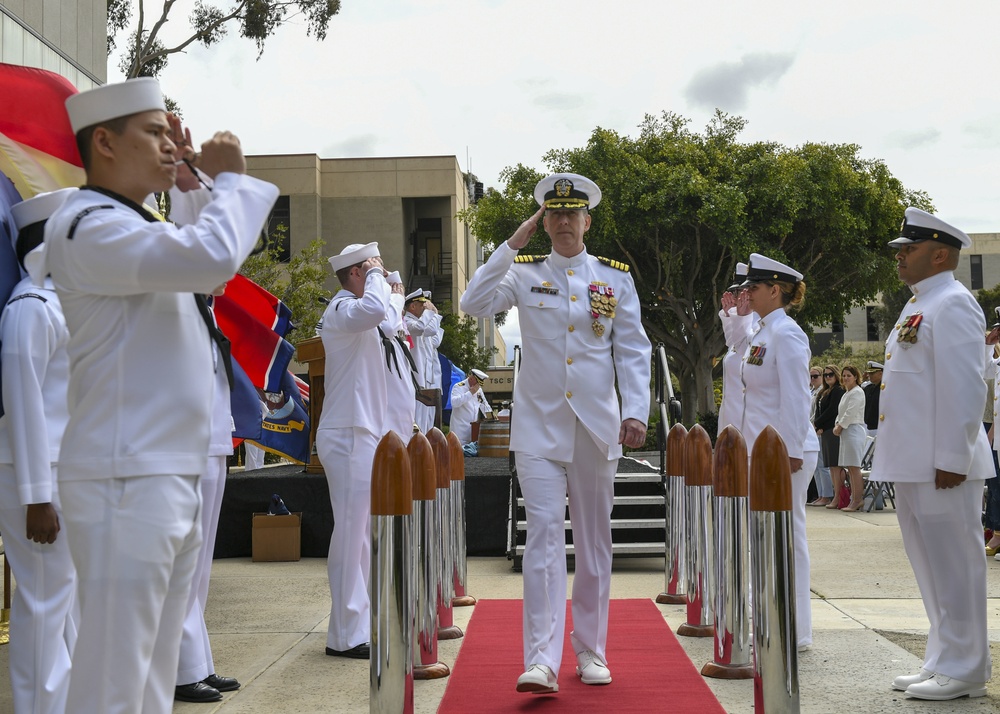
{"points": [[196, 692], [903, 681], [539, 679], [223, 684], [591, 670], [940, 688], [362, 651]]}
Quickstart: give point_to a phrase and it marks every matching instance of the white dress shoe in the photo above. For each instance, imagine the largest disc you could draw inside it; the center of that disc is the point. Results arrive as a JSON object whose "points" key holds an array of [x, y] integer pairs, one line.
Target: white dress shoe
{"points": [[940, 688], [591, 670], [903, 681], [539, 679]]}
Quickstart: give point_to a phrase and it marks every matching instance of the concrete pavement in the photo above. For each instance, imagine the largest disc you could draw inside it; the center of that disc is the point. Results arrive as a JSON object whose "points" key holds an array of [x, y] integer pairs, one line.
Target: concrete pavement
{"points": [[268, 624]]}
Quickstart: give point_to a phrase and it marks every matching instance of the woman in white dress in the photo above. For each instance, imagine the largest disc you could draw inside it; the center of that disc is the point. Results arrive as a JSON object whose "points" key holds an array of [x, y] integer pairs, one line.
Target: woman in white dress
{"points": [[850, 427]]}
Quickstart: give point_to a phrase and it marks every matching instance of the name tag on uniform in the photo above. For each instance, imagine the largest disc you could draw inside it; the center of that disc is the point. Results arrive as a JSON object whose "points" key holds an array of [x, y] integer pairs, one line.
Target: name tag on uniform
{"points": [[544, 290]]}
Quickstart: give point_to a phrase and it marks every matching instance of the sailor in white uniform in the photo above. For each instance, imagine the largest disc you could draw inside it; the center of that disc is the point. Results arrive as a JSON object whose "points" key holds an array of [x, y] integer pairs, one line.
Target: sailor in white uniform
{"points": [[35, 365], [400, 378], [139, 346], [423, 322], [931, 443], [775, 392], [350, 427], [580, 328], [467, 401], [737, 322]]}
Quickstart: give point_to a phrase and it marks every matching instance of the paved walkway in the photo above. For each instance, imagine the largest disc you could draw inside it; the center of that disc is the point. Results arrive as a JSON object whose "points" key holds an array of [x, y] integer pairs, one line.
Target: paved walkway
{"points": [[268, 623]]}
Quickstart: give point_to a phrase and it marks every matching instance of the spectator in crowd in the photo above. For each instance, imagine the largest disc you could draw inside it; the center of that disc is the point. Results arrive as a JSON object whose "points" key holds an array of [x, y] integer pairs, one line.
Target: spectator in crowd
{"points": [[826, 418], [821, 476], [850, 429]]}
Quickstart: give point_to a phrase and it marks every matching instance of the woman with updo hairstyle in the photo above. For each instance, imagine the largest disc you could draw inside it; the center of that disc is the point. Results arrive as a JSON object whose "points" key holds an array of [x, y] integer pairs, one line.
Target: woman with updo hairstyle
{"points": [[773, 372], [850, 429]]}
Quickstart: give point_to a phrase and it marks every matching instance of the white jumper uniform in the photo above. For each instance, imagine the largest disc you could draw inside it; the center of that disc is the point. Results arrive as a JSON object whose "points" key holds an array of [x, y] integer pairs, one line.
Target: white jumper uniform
{"points": [[564, 429], [400, 391], [349, 430], [130, 458], [35, 375], [774, 372], [931, 413], [737, 331], [426, 332]]}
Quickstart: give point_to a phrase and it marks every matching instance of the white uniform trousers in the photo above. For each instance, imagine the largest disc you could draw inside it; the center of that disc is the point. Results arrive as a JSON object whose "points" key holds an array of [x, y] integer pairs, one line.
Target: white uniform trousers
{"points": [[589, 482], [347, 455], [800, 542], [254, 456], [423, 417], [943, 536], [195, 661], [42, 630], [135, 544]]}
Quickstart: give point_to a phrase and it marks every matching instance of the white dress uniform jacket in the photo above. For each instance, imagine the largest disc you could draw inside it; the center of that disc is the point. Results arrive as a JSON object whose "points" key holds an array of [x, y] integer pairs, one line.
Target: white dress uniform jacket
{"points": [[567, 372], [737, 330], [35, 377], [427, 333], [400, 390], [464, 410], [932, 404], [125, 287]]}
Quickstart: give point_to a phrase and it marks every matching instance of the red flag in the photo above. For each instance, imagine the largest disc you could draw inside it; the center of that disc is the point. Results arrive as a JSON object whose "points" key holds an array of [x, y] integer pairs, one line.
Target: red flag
{"points": [[262, 305]]}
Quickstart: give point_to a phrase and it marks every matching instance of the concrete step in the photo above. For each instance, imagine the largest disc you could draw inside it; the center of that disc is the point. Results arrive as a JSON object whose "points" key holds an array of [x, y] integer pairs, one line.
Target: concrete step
{"points": [[621, 501], [618, 549], [618, 523]]}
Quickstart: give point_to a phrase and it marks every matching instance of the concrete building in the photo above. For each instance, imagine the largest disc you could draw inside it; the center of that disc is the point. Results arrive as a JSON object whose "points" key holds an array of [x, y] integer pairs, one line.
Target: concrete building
{"points": [[68, 37], [409, 205], [978, 268]]}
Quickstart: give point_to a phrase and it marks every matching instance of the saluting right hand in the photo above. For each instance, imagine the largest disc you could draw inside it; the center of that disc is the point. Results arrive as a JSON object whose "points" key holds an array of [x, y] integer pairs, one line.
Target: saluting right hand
{"points": [[222, 153], [524, 232]]}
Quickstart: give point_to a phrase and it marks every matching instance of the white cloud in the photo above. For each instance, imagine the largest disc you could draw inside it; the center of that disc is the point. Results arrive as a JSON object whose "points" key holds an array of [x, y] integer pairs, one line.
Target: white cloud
{"points": [[727, 85]]}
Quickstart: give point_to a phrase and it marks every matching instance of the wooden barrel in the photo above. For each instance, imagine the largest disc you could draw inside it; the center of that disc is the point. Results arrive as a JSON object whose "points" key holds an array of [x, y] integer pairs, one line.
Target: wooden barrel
{"points": [[494, 438]]}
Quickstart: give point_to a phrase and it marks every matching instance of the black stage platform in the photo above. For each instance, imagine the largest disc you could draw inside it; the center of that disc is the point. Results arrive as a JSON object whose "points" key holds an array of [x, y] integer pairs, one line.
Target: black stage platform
{"points": [[487, 495]]}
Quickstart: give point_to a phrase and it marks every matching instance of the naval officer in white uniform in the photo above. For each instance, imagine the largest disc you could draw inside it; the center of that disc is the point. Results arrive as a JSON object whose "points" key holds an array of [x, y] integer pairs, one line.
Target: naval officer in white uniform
{"points": [[931, 443], [35, 365], [139, 346], [423, 323], [580, 328], [350, 426], [467, 400], [775, 393], [737, 321]]}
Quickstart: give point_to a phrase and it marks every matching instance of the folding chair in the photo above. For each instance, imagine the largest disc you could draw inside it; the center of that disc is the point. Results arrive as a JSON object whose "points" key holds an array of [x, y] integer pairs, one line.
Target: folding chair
{"points": [[875, 490]]}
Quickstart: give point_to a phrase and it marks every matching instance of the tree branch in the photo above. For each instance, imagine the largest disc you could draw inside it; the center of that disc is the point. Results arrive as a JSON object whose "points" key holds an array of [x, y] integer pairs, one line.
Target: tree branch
{"points": [[206, 30]]}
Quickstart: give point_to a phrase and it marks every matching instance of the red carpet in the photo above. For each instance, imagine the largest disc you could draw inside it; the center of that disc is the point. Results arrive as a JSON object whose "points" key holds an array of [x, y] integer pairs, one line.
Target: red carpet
{"points": [[650, 669]]}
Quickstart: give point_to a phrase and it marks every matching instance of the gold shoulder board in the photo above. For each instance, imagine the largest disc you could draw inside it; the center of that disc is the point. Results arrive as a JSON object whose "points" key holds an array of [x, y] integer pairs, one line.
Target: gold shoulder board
{"points": [[529, 258], [616, 264]]}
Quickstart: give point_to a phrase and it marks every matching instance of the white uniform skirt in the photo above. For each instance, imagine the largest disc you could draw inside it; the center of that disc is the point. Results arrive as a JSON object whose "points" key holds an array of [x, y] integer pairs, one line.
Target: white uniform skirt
{"points": [[852, 444]]}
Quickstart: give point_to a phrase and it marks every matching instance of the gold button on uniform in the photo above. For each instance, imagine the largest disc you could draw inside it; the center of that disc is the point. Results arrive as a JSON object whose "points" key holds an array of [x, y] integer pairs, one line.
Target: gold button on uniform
{"points": [[571, 328], [882, 386], [569, 360], [888, 356], [541, 304], [569, 395], [913, 299], [881, 417], [569, 272], [572, 298]]}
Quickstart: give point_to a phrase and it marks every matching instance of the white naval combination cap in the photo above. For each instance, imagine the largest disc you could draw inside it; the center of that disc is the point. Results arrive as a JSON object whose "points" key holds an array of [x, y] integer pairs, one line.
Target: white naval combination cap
{"points": [[353, 254], [418, 295], [874, 366], [741, 275], [480, 374], [567, 191], [919, 226], [111, 101], [764, 269]]}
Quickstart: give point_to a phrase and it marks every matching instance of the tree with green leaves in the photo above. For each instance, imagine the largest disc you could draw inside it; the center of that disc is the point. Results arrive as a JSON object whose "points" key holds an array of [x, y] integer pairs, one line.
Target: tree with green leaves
{"points": [[146, 54], [460, 342], [682, 208], [298, 284]]}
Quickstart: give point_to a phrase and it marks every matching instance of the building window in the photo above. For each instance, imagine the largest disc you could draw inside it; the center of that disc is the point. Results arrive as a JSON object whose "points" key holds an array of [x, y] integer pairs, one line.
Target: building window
{"points": [[838, 329], [872, 323], [976, 267], [279, 229]]}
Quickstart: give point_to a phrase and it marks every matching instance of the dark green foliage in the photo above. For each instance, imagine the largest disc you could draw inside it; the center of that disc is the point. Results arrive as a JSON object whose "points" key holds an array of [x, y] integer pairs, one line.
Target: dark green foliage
{"points": [[460, 343]]}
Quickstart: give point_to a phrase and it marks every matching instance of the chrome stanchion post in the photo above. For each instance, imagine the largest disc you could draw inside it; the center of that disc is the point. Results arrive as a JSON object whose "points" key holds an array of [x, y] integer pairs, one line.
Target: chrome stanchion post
{"points": [[447, 630], [776, 664], [732, 615], [698, 510], [426, 560], [674, 490], [457, 488], [391, 589]]}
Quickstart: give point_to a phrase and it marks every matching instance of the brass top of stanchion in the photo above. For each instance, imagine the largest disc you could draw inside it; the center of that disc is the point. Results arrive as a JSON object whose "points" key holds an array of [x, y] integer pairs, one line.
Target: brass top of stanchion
{"points": [[423, 469], [770, 473], [730, 466], [392, 491], [457, 457], [675, 450], [442, 457], [698, 457]]}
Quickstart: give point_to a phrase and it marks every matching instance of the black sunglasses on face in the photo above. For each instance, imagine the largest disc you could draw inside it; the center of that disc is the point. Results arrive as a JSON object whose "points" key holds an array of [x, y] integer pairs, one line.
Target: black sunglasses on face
{"points": [[829, 374], [813, 376]]}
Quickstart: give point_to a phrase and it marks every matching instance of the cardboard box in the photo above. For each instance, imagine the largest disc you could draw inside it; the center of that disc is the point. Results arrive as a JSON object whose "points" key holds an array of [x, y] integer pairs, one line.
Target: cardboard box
{"points": [[276, 538]]}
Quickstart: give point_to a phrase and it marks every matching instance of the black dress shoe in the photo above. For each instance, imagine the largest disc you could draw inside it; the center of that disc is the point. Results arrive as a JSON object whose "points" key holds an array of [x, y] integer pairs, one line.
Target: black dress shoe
{"points": [[223, 684], [361, 651], [196, 692]]}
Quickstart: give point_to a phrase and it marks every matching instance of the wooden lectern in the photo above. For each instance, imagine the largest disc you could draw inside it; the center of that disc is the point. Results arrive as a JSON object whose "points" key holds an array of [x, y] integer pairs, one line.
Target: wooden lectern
{"points": [[311, 353]]}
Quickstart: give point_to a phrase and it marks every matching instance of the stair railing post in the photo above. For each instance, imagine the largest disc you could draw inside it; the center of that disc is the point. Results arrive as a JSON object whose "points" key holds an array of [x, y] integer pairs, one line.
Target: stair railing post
{"points": [[698, 511], [776, 665], [442, 521], [674, 508], [732, 651], [391, 584]]}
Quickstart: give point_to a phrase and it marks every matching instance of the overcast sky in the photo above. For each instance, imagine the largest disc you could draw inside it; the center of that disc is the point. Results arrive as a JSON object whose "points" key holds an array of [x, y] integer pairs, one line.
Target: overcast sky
{"points": [[500, 82]]}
